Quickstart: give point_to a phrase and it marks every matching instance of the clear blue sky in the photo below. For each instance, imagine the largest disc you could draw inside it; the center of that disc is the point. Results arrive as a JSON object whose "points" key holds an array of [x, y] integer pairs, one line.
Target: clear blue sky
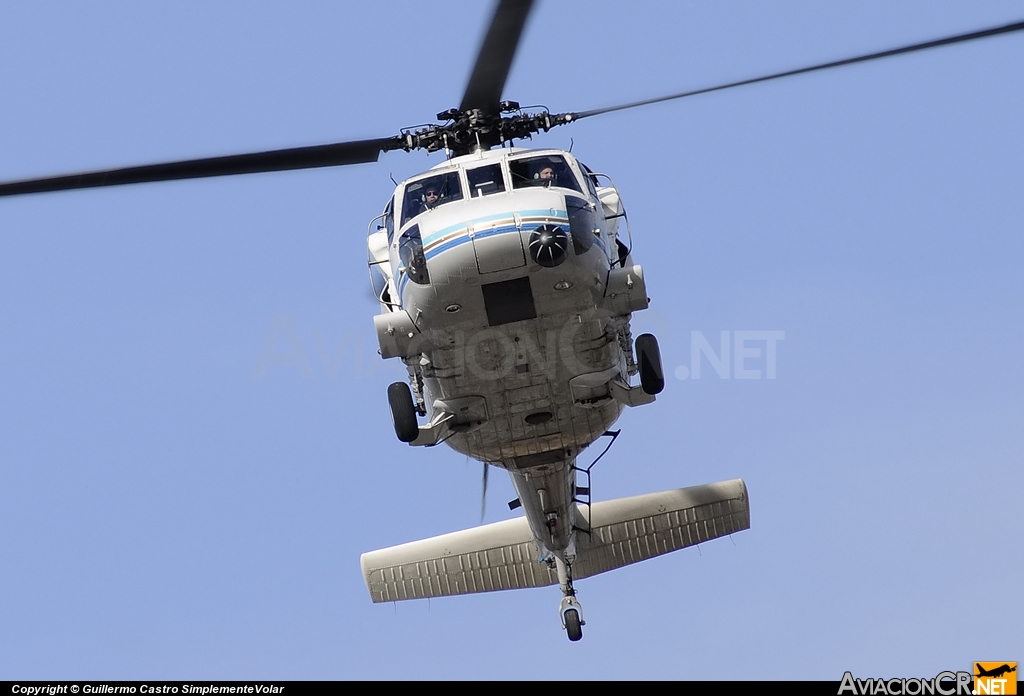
{"points": [[167, 513]]}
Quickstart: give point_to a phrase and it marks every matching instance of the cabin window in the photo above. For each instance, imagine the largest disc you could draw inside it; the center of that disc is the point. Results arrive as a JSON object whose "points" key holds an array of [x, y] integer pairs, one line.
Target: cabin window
{"points": [[429, 193], [584, 223], [485, 180], [546, 170], [410, 251]]}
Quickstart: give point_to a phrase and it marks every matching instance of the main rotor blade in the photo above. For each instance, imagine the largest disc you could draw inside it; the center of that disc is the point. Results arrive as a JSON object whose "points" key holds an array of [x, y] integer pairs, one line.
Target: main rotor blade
{"points": [[960, 38], [495, 57], [337, 154]]}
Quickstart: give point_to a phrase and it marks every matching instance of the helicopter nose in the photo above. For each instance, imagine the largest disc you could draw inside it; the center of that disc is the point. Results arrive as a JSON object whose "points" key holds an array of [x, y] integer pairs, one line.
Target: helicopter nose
{"points": [[549, 245]]}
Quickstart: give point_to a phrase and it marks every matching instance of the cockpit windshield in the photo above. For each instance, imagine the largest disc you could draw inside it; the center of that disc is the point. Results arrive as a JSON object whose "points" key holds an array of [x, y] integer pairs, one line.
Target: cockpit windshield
{"points": [[546, 170], [427, 194], [484, 181]]}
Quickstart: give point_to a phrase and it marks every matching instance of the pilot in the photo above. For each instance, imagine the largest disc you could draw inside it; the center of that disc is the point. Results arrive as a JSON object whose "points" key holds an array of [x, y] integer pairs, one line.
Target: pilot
{"points": [[546, 175], [431, 197]]}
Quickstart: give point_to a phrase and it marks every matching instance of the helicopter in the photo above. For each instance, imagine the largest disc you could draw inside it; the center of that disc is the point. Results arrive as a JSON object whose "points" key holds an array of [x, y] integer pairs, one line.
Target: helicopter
{"points": [[401, 257]]}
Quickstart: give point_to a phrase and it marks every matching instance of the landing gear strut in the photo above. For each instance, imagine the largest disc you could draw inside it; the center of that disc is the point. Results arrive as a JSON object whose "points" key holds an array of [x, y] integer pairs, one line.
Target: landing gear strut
{"points": [[570, 609]]}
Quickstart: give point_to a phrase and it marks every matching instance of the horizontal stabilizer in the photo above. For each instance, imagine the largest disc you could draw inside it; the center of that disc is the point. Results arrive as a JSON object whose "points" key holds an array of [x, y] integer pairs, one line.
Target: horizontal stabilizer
{"points": [[503, 555], [630, 530], [499, 556]]}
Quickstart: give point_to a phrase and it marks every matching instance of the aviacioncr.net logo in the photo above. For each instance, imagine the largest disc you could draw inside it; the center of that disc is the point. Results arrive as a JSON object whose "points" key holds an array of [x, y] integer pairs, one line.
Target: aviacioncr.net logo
{"points": [[943, 684], [995, 678]]}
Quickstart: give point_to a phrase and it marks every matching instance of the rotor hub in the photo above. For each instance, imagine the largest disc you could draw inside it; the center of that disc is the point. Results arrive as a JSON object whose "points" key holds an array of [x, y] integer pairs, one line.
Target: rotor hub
{"points": [[476, 129]]}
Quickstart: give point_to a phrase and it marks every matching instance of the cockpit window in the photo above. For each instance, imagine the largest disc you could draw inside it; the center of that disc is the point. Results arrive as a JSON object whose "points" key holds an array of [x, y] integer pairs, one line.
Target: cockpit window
{"points": [[389, 219], [590, 179], [429, 193], [485, 180], [546, 170]]}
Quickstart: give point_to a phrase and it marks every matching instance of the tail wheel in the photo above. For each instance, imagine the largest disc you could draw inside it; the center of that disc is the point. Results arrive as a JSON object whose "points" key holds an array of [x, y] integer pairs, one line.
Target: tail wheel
{"points": [[572, 624], [403, 412], [648, 358]]}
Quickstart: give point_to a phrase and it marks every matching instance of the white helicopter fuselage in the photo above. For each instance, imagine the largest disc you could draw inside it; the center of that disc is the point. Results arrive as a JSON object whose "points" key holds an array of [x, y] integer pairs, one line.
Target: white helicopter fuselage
{"points": [[509, 300]]}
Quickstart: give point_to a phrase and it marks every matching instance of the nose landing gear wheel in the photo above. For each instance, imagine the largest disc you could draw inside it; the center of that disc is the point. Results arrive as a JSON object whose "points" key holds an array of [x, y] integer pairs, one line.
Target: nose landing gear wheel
{"points": [[572, 625]]}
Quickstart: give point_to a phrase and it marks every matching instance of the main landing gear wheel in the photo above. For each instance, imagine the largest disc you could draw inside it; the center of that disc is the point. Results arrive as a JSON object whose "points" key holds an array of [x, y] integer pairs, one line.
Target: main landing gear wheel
{"points": [[572, 625], [403, 412], [648, 358]]}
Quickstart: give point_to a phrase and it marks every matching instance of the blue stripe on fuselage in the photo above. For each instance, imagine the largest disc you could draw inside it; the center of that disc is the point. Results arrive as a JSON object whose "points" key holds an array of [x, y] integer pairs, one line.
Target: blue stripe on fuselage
{"points": [[547, 213], [457, 235]]}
